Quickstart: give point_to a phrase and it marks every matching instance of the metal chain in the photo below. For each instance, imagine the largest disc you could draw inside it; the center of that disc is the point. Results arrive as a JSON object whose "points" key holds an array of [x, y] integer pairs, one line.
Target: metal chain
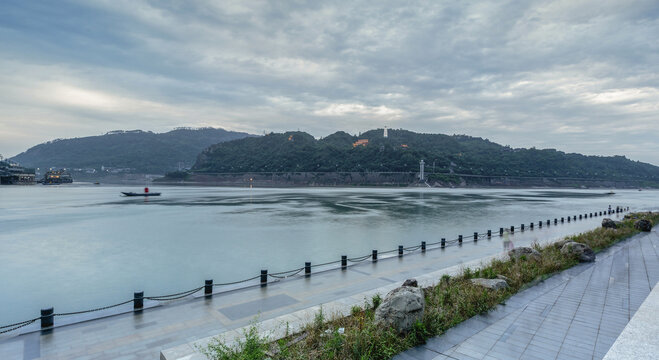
{"points": [[92, 310]]}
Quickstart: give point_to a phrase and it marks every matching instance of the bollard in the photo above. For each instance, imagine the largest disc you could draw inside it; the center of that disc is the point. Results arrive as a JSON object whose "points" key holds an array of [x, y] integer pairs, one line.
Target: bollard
{"points": [[423, 246], [579, 216], [521, 227], [307, 269], [512, 229], [531, 226], [264, 278], [375, 256], [443, 243], [500, 231], [138, 300], [562, 220], [344, 262], [555, 221], [47, 317], [548, 222], [540, 224], [489, 233], [475, 236], [208, 287], [569, 219], [460, 239], [575, 218], [400, 250]]}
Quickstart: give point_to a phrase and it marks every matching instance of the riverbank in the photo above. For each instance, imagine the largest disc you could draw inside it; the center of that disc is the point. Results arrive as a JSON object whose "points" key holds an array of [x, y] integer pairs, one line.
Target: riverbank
{"points": [[391, 179], [450, 301]]}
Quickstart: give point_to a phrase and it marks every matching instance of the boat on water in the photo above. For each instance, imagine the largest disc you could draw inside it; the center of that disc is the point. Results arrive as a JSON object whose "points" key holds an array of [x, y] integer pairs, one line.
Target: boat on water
{"points": [[145, 193], [610, 193], [57, 177]]}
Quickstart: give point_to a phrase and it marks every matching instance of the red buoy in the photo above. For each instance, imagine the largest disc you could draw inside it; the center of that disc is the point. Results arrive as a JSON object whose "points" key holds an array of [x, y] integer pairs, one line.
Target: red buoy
{"points": [[146, 190]]}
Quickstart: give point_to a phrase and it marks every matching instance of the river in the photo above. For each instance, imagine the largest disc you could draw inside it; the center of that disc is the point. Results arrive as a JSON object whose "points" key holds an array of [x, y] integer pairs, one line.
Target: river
{"points": [[81, 246]]}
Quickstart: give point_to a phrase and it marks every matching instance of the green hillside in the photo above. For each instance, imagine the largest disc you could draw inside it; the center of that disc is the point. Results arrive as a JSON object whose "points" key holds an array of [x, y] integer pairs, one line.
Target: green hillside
{"points": [[402, 151], [138, 151]]}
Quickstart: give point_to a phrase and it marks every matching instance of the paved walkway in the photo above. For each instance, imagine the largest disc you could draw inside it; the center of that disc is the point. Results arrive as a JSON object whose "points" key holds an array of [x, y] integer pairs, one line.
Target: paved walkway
{"points": [[577, 314], [144, 335]]}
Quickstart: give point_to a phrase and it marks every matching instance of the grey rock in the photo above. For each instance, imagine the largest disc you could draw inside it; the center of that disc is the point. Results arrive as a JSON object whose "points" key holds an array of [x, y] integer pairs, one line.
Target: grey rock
{"points": [[401, 308], [507, 279], [494, 284], [581, 251], [411, 282], [529, 253], [643, 225], [559, 244], [609, 224]]}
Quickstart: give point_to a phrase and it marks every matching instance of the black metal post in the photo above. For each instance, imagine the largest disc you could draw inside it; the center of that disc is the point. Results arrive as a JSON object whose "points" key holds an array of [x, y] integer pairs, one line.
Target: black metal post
{"points": [[555, 221], [521, 227], [307, 269], [459, 239], [423, 246], [47, 317], [208, 287], [489, 233], [562, 220], [512, 229], [475, 236], [500, 231], [540, 224], [138, 300], [344, 262], [400, 250], [531, 226], [443, 243], [374, 257], [264, 278]]}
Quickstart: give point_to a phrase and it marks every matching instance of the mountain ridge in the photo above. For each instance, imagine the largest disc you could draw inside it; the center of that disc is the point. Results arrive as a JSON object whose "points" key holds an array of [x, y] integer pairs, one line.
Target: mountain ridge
{"points": [[133, 151]]}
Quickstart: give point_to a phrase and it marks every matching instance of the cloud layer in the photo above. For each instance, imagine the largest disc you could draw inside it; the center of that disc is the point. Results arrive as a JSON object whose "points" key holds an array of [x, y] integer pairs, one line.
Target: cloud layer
{"points": [[579, 76]]}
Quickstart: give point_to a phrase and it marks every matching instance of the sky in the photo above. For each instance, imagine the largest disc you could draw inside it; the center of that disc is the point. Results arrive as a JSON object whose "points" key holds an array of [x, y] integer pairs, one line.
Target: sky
{"points": [[578, 76]]}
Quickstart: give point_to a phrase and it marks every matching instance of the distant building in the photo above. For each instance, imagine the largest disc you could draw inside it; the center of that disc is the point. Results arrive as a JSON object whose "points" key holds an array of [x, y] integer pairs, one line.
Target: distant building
{"points": [[360, 142]]}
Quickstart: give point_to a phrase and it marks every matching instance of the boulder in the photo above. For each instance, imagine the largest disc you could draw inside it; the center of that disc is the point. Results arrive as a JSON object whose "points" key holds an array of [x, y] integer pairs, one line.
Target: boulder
{"points": [[643, 225], [528, 252], [609, 224], [581, 251], [503, 278], [401, 308], [559, 244], [494, 284], [411, 282]]}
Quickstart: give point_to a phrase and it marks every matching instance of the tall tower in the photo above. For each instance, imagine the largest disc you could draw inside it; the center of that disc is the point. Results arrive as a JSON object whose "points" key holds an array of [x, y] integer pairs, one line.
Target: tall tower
{"points": [[421, 168], [385, 133]]}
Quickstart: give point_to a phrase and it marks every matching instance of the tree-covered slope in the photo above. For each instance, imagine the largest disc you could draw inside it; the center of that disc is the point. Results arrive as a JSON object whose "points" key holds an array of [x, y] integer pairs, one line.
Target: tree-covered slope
{"points": [[141, 151], [402, 151]]}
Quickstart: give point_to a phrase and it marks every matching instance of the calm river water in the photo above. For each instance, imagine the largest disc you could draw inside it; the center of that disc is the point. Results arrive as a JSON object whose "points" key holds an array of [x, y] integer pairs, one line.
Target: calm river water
{"points": [[81, 246]]}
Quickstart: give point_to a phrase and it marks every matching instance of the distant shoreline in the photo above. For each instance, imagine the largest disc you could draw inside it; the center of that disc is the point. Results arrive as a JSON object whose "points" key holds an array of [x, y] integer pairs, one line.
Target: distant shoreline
{"points": [[393, 180]]}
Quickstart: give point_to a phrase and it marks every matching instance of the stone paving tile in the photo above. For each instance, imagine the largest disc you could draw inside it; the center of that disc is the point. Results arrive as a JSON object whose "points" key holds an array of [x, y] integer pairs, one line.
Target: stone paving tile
{"points": [[577, 314]]}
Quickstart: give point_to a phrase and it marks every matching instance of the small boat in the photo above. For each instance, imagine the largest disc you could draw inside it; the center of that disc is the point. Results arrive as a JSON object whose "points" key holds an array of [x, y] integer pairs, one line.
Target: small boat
{"points": [[610, 193], [140, 194], [145, 193]]}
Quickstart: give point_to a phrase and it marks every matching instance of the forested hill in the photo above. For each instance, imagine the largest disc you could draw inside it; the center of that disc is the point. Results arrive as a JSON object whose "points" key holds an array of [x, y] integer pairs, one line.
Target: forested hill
{"points": [[127, 151], [402, 150]]}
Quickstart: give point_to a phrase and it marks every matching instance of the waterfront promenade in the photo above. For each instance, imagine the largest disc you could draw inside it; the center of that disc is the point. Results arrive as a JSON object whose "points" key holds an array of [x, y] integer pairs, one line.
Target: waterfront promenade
{"points": [[173, 328], [577, 314]]}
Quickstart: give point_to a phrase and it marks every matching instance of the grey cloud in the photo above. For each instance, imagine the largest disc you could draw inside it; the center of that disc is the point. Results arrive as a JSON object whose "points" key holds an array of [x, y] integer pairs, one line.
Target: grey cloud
{"points": [[574, 75]]}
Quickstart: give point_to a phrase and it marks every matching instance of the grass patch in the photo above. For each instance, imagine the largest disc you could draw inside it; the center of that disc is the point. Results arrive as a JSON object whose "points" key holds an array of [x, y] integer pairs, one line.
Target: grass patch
{"points": [[451, 301]]}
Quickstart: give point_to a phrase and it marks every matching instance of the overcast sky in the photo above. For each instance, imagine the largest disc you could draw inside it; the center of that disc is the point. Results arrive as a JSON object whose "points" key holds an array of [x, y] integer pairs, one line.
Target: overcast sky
{"points": [[579, 76]]}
